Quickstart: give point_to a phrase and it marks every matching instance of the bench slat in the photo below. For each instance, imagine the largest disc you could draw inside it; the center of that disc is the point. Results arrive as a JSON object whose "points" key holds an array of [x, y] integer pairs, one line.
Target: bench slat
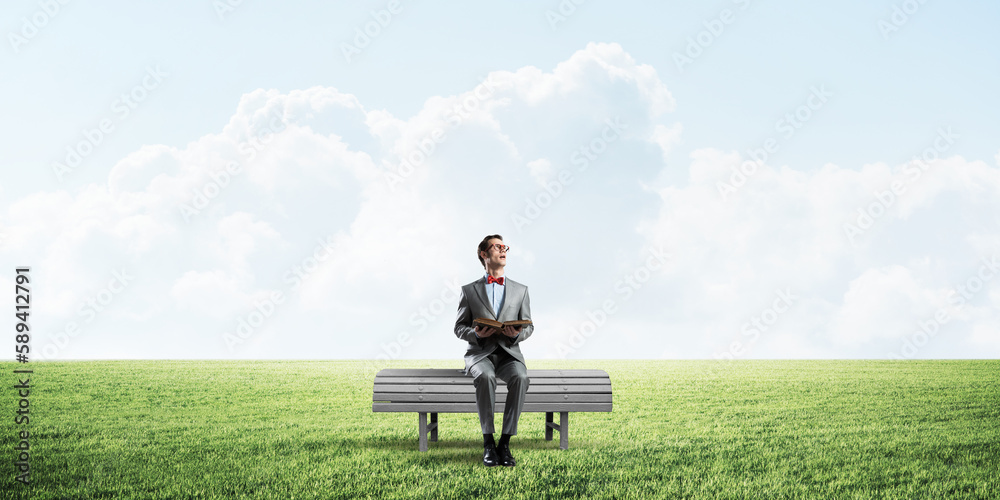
{"points": [[501, 388], [396, 397], [499, 407], [444, 372], [468, 380]]}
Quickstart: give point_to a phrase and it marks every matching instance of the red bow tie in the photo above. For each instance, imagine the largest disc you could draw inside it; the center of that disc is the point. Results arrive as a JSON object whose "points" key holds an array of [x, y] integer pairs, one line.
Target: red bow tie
{"points": [[491, 279]]}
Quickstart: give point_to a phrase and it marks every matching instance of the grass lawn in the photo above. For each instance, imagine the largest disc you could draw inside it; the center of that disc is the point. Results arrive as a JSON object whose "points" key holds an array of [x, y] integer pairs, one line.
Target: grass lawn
{"points": [[679, 429]]}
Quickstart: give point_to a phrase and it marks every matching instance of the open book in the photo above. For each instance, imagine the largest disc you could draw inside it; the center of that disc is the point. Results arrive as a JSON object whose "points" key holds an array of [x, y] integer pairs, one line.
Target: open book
{"points": [[497, 324]]}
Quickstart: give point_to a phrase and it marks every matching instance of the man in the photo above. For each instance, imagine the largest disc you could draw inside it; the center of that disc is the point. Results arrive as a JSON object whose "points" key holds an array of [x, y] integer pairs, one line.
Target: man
{"points": [[493, 352]]}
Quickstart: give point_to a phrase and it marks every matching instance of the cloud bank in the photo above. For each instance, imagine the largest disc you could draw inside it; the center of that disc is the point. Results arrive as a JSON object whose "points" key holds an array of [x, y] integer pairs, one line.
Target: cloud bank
{"points": [[310, 226]]}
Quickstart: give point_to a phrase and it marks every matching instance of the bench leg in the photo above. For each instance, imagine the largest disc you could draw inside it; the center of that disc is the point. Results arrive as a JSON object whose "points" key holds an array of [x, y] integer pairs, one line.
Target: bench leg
{"points": [[564, 430], [562, 427], [423, 431], [434, 426]]}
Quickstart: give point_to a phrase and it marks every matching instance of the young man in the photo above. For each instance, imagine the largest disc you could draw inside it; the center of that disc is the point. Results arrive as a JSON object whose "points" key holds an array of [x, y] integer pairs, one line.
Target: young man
{"points": [[495, 353]]}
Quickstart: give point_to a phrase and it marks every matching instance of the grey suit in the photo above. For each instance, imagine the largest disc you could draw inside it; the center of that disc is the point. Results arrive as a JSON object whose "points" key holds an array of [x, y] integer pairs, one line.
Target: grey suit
{"points": [[497, 355]]}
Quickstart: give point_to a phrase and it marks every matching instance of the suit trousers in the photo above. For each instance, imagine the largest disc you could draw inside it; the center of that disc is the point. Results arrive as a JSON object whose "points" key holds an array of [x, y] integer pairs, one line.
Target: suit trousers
{"points": [[500, 364]]}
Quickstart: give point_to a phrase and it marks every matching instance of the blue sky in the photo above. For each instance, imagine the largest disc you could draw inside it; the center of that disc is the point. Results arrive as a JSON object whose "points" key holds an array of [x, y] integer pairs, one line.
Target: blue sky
{"points": [[877, 84]]}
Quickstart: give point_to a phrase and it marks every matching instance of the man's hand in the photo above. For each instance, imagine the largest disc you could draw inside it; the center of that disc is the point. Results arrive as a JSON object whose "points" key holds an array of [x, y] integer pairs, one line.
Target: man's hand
{"points": [[511, 331], [483, 331]]}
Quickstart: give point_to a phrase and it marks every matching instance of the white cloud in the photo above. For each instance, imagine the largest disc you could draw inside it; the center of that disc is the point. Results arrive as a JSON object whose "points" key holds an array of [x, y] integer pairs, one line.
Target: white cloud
{"points": [[239, 235], [214, 293], [666, 137], [785, 228], [541, 170], [884, 302]]}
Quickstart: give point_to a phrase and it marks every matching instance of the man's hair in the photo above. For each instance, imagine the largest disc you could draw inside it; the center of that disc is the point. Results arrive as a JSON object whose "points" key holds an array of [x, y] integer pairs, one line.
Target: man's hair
{"points": [[484, 246]]}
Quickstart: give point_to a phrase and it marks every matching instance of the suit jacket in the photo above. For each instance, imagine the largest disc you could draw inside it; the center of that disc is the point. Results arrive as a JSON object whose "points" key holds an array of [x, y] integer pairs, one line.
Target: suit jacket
{"points": [[474, 303]]}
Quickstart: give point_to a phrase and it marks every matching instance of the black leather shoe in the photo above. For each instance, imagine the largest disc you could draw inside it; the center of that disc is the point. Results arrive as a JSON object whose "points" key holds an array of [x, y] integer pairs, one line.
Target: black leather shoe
{"points": [[490, 457], [506, 459]]}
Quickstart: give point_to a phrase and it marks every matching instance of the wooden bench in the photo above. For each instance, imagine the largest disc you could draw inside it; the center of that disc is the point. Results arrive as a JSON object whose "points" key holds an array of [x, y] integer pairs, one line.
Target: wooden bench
{"points": [[433, 391]]}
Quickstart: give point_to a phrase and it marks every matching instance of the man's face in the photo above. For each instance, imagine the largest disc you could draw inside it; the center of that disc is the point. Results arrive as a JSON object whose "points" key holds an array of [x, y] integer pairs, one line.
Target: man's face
{"points": [[496, 257]]}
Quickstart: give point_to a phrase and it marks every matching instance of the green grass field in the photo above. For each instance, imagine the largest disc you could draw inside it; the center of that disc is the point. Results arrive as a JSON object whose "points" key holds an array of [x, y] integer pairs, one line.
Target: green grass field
{"points": [[679, 429]]}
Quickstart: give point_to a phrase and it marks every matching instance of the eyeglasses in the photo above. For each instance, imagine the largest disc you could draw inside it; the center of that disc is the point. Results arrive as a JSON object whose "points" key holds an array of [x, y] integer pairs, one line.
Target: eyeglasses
{"points": [[499, 247]]}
